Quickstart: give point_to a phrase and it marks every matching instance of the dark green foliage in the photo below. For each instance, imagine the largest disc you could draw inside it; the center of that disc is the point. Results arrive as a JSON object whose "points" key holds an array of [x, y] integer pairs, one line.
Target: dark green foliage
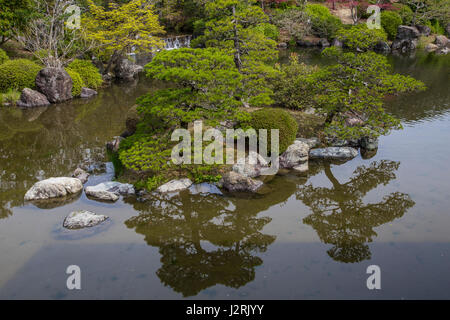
{"points": [[14, 15], [405, 13], [390, 21], [3, 56], [77, 82], [357, 84], [323, 23], [360, 37], [271, 118], [18, 74], [88, 72], [269, 30]]}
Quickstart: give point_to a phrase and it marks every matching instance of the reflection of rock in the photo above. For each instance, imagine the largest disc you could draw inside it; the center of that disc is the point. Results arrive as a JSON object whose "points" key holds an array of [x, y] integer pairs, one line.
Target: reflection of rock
{"points": [[382, 47], [204, 188], [235, 182], [55, 84], [87, 93], [333, 153], [295, 155], [368, 154], [341, 218], [56, 202], [53, 188], [175, 185], [81, 174], [30, 98], [83, 219]]}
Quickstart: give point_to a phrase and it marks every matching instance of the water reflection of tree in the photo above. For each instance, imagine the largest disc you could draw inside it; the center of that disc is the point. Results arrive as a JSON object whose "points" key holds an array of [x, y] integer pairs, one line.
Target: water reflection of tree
{"points": [[203, 240], [342, 219]]}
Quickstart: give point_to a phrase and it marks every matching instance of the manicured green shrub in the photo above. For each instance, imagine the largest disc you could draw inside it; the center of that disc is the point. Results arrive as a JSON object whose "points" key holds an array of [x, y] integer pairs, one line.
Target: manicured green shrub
{"points": [[360, 37], [390, 21], [269, 30], [18, 74], [77, 82], [88, 72], [323, 23], [405, 13], [270, 118], [3, 56]]}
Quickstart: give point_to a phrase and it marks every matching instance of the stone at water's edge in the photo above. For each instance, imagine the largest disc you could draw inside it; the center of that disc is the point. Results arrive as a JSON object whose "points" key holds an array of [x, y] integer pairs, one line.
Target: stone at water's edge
{"points": [[311, 142], [114, 187], [30, 98], [406, 39], [127, 70], [55, 84], [333, 153], [204, 188], [83, 219], [175, 185], [53, 188], [251, 166], [81, 174], [101, 194], [87, 93], [235, 182], [295, 155], [369, 143], [301, 168], [114, 144]]}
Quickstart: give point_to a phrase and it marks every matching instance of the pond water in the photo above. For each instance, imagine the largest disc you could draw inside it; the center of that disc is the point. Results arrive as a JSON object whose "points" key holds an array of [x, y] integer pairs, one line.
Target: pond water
{"points": [[311, 237]]}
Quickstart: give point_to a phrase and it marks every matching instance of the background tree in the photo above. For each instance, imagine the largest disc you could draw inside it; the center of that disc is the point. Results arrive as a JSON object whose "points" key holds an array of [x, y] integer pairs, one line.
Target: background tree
{"points": [[424, 10], [14, 16], [232, 28], [121, 28], [49, 37], [357, 84]]}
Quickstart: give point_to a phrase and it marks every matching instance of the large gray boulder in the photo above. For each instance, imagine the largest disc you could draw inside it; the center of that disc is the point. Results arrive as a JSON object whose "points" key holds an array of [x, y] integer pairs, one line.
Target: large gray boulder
{"points": [[55, 84], [251, 166], [83, 219], [333, 153], [53, 188], [424, 30], [406, 39], [175, 185], [295, 155], [109, 191], [127, 70], [235, 182], [30, 98], [441, 41]]}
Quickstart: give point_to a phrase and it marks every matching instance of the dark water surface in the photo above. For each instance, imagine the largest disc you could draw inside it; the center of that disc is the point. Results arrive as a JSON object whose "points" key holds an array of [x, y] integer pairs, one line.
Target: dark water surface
{"points": [[312, 237]]}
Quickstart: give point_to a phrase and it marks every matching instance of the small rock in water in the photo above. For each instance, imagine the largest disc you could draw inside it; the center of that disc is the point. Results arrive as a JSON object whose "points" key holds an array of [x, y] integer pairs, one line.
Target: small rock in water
{"points": [[83, 219], [204, 188], [175, 185], [369, 143], [53, 188], [102, 195], [296, 154], [333, 153], [87, 93], [109, 191], [30, 98], [81, 174], [304, 167], [234, 182]]}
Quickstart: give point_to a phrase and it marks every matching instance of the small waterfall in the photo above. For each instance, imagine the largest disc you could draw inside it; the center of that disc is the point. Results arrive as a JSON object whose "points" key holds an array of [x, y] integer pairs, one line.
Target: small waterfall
{"points": [[178, 42]]}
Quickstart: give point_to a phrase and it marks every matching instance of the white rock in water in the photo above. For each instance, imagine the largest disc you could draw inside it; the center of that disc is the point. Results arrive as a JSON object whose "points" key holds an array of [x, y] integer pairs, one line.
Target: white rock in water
{"points": [[101, 195], [295, 154], [83, 219], [54, 188], [109, 191], [81, 174], [333, 153], [175, 185]]}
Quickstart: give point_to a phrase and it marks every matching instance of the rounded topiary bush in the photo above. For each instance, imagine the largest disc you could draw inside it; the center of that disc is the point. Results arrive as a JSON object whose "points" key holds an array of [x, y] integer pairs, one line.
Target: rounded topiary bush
{"points": [[405, 13], [88, 72], [77, 82], [3, 56], [270, 118], [390, 21], [18, 74]]}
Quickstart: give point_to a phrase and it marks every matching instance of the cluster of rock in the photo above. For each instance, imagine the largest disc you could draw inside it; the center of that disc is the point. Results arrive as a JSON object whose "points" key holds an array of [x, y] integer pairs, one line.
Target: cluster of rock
{"points": [[53, 85], [441, 45]]}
